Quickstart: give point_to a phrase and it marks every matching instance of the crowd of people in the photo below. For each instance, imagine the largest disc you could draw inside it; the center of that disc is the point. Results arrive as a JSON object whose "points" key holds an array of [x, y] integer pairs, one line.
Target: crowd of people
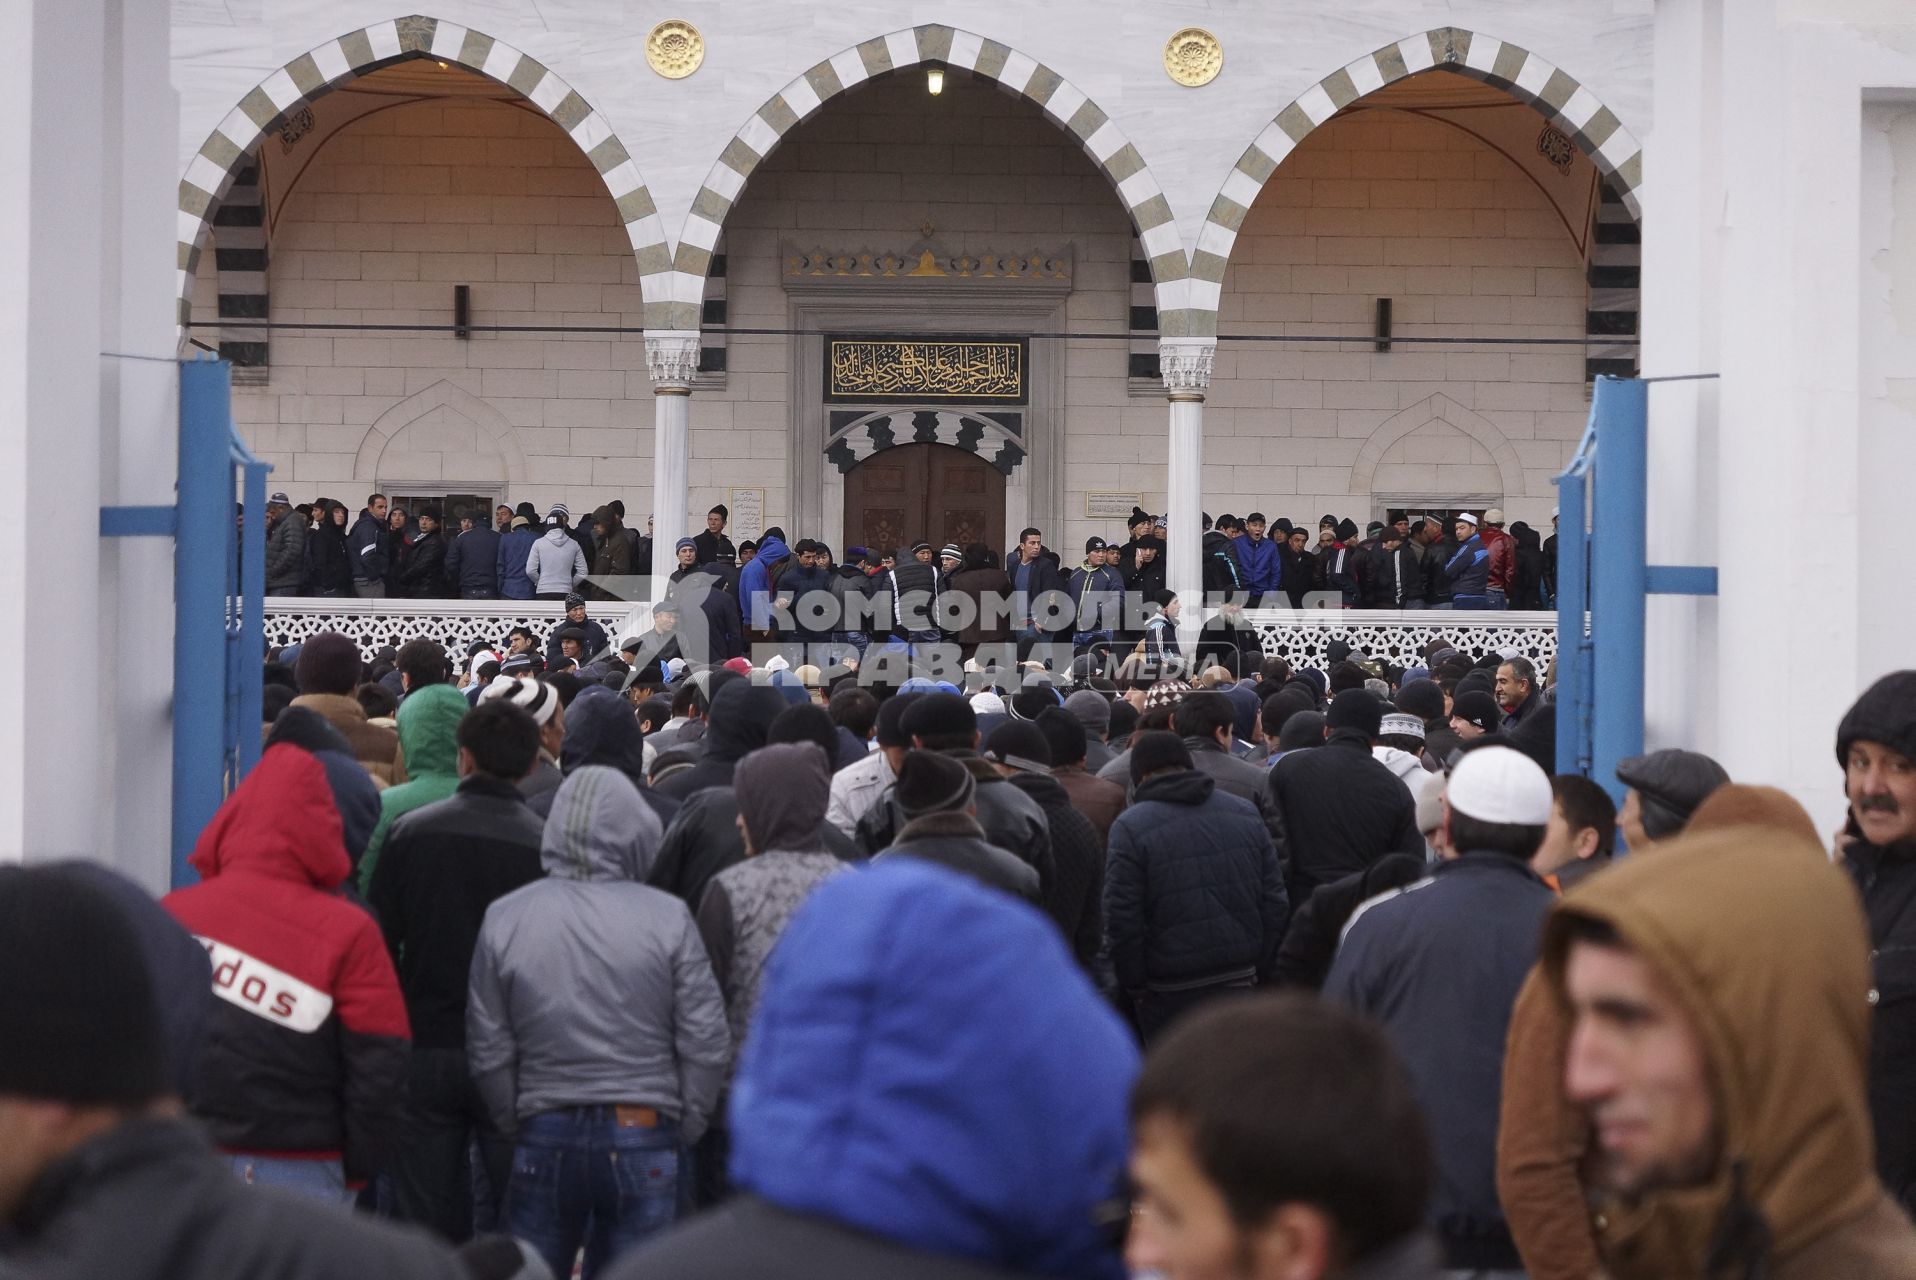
{"points": [[628, 967], [1414, 561]]}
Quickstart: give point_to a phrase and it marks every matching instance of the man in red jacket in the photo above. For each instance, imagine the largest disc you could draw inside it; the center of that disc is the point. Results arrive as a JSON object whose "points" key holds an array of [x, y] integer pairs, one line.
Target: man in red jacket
{"points": [[1503, 559], [303, 1063]]}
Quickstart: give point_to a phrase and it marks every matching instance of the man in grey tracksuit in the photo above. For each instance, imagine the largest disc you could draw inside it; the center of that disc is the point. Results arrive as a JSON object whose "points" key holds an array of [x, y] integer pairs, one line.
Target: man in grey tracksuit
{"points": [[595, 1030]]}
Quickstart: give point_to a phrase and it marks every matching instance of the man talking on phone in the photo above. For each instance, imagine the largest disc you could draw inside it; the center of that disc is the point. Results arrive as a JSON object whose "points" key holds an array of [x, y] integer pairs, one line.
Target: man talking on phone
{"points": [[1876, 746]]}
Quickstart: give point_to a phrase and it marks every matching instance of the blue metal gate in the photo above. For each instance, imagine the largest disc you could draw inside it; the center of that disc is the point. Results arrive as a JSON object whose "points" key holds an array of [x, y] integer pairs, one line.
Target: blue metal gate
{"points": [[219, 590], [1603, 578]]}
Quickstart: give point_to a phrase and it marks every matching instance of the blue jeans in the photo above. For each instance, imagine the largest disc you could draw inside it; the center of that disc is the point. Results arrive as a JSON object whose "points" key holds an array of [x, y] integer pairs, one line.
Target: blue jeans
{"points": [[1494, 599], [580, 1177], [320, 1179]]}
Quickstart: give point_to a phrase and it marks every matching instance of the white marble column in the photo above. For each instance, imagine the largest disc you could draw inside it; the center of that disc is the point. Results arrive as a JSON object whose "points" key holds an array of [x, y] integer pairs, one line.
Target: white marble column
{"points": [[672, 356], [1186, 366]]}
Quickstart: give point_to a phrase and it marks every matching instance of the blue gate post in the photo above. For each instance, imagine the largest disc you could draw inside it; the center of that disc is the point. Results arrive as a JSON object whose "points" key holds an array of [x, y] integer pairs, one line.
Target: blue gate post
{"points": [[249, 638], [1619, 575], [1573, 603], [201, 565]]}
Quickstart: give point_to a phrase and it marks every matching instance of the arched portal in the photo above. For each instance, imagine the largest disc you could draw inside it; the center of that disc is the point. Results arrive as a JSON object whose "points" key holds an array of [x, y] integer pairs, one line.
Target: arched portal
{"points": [[1525, 76], [276, 100], [935, 46]]}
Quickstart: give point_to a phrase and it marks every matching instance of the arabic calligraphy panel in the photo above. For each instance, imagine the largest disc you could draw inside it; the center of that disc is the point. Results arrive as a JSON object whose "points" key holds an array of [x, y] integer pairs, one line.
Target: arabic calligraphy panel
{"points": [[929, 370]]}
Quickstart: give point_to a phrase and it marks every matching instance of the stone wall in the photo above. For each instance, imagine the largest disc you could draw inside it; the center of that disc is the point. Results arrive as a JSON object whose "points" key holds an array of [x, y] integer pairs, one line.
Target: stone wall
{"points": [[397, 208], [1394, 204]]}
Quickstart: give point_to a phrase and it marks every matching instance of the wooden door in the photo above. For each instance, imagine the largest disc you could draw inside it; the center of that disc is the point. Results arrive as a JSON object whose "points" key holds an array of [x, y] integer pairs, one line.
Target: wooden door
{"points": [[924, 491]]}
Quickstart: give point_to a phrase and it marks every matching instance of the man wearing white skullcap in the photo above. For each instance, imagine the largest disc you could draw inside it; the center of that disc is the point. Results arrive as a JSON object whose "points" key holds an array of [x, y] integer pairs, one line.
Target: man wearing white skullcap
{"points": [[1438, 966]]}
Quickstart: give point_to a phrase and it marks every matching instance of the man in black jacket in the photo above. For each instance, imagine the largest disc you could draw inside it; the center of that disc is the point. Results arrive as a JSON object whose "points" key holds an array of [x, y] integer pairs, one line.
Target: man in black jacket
{"points": [[1012, 820], [1876, 745], [366, 549], [1194, 900], [422, 565], [1338, 808], [1037, 616], [472, 561], [99, 1175], [1022, 753], [441, 867]]}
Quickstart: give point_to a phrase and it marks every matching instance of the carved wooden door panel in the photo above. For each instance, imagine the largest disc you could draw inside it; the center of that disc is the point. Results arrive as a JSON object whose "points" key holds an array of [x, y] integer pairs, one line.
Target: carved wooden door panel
{"points": [[966, 500], [929, 491], [884, 500]]}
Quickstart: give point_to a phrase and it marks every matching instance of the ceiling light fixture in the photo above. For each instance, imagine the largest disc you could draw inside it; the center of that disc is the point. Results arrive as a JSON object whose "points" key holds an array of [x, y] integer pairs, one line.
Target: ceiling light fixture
{"points": [[935, 81]]}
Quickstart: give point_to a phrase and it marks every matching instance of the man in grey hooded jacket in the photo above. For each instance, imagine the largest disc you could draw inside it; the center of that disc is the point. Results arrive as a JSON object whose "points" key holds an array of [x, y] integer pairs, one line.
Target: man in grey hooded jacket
{"points": [[595, 1030]]}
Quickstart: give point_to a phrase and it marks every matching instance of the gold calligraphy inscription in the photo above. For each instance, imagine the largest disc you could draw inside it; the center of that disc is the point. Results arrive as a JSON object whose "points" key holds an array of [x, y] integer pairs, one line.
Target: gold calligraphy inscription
{"points": [[959, 368]]}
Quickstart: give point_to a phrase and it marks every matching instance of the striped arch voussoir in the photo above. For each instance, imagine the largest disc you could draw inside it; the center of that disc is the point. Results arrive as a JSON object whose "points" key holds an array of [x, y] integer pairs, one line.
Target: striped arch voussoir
{"points": [[682, 284], [224, 155], [889, 428], [1524, 75]]}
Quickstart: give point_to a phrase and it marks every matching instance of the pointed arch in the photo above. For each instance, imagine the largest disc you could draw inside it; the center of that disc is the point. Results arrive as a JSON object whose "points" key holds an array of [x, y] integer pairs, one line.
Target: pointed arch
{"points": [[443, 394], [682, 287], [1525, 76], [1438, 407], [211, 172], [888, 428]]}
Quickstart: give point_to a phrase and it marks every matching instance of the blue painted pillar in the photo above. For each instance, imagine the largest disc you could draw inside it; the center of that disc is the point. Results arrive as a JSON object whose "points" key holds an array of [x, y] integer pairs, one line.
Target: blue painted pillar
{"points": [[1619, 574], [1573, 602], [200, 575]]}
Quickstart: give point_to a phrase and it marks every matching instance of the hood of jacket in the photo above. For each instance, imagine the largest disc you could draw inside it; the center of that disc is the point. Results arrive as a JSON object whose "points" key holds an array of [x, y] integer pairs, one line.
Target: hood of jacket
{"points": [[1186, 786], [600, 829], [871, 1093], [741, 716], [428, 729], [558, 535], [1706, 912], [601, 729], [280, 822], [770, 552], [1406, 766]]}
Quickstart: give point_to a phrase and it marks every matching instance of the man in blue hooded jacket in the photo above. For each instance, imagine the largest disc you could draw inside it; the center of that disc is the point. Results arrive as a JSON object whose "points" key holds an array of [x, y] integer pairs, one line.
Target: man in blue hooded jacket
{"points": [[755, 583], [982, 1147]]}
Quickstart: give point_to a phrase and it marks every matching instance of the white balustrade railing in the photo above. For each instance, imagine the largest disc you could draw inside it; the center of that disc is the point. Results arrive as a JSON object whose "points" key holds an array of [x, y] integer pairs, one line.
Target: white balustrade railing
{"points": [[1301, 635], [453, 623]]}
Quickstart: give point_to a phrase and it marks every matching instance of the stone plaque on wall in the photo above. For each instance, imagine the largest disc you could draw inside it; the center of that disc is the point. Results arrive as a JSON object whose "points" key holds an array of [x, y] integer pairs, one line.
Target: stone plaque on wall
{"points": [[1111, 506], [926, 370], [748, 513]]}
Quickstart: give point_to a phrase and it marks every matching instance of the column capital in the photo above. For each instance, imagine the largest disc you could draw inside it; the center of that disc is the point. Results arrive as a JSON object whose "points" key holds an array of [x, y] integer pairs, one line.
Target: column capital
{"points": [[1186, 366], [672, 358]]}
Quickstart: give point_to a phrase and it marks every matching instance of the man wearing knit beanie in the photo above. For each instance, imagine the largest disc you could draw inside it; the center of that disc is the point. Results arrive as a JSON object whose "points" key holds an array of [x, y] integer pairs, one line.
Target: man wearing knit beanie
{"points": [[1876, 747], [1194, 900], [937, 795], [328, 672], [1339, 807], [1092, 710], [945, 723], [1100, 800], [99, 1175], [1021, 750]]}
